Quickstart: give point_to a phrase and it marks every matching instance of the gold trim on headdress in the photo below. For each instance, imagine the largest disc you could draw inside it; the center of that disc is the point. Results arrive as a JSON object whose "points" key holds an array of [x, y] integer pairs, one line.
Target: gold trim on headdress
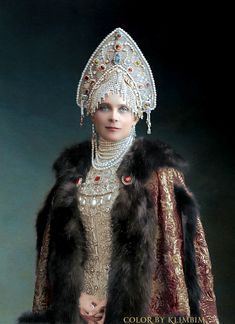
{"points": [[118, 66]]}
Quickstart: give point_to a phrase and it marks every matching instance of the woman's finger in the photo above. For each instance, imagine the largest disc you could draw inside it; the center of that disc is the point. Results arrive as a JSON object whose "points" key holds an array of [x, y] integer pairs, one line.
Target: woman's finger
{"points": [[96, 313], [99, 315], [101, 321], [86, 316], [92, 318], [99, 307], [83, 312]]}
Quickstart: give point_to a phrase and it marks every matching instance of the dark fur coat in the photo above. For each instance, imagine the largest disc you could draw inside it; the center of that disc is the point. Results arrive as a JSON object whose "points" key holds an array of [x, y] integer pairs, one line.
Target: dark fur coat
{"points": [[133, 225]]}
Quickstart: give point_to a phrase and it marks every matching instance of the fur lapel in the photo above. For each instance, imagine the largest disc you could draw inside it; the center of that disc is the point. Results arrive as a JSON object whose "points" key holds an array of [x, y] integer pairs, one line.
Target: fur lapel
{"points": [[141, 160]]}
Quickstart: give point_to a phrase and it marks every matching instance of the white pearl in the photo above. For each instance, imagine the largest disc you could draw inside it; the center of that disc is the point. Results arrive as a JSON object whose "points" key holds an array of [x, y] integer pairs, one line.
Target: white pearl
{"points": [[93, 203]]}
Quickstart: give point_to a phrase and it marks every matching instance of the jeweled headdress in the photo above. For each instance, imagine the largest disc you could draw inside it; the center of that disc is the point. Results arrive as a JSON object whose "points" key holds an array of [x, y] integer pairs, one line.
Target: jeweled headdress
{"points": [[118, 66]]}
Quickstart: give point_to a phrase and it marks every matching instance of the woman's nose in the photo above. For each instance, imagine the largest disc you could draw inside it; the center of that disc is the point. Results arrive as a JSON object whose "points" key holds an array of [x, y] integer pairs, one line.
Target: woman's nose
{"points": [[113, 115]]}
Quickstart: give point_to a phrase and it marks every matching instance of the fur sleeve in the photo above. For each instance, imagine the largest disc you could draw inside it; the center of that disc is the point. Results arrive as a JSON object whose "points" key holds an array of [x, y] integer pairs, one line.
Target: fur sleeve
{"points": [[42, 219]]}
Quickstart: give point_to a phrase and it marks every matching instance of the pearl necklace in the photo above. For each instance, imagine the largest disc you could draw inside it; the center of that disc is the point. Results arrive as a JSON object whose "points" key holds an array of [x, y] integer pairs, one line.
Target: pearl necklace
{"points": [[108, 154]]}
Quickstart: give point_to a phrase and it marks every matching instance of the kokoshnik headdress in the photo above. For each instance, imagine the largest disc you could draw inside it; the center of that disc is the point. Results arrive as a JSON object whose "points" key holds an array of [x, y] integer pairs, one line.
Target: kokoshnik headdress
{"points": [[118, 66]]}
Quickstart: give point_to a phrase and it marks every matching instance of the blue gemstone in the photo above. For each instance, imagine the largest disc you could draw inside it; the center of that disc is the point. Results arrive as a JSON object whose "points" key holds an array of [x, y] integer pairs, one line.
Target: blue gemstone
{"points": [[116, 58]]}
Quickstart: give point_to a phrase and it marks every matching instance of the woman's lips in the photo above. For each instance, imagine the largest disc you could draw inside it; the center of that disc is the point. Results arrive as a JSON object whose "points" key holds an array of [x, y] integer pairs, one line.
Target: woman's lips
{"points": [[113, 129]]}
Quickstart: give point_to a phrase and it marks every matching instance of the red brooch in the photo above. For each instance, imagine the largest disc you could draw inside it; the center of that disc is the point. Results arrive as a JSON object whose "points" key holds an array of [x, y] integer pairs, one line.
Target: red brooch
{"points": [[78, 181], [127, 180], [97, 178]]}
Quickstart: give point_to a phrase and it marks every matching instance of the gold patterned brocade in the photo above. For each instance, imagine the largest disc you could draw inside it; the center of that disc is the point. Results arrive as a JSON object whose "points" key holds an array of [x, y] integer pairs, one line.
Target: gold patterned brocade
{"points": [[169, 292], [41, 292]]}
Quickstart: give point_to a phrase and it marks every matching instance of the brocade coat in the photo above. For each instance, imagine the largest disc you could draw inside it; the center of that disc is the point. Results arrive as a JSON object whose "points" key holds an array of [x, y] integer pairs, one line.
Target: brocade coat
{"points": [[160, 264]]}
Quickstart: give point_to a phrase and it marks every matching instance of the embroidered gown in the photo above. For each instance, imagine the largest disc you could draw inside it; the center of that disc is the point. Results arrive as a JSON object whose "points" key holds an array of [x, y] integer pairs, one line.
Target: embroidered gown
{"points": [[169, 293], [96, 198]]}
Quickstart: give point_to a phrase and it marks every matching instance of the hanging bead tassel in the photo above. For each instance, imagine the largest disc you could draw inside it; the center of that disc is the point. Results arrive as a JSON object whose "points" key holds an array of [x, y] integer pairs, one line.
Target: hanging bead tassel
{"points": [[81, 120], [94, 144], [148, 121], [82, 113], [134, 131]]}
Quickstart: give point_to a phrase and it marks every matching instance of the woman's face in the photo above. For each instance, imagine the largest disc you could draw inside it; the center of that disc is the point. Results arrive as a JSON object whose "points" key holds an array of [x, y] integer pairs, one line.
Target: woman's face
{"points": [[113, 120]]}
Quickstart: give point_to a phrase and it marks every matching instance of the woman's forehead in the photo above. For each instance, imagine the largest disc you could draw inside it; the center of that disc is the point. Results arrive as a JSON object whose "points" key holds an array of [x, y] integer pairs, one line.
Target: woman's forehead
{"points": [[113, 99]]}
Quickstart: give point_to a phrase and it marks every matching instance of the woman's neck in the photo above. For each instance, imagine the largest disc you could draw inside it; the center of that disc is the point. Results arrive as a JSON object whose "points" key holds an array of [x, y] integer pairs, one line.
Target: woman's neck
{"points": [[107, 154]]}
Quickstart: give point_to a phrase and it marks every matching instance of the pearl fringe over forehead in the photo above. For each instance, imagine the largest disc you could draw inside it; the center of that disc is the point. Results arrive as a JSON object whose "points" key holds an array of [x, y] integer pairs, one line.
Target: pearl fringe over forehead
{"points": [[115, 85], [118, 66]]}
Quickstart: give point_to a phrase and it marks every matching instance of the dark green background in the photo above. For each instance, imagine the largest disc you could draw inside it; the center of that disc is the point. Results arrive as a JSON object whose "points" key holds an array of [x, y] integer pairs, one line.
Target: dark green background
{"points": [[44, 46]]}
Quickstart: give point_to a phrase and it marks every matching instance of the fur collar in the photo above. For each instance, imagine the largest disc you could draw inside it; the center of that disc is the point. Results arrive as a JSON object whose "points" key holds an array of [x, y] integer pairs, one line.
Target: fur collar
{"points": [[144, 157]]}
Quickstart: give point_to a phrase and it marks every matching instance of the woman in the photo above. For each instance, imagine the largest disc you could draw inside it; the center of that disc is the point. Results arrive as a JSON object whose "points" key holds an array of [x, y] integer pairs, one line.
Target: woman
{"points": [[120, 235]]}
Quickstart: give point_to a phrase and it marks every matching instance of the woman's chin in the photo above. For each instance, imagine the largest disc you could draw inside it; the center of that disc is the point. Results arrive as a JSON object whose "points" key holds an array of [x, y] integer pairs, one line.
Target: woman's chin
{"points": [[112, 137]]}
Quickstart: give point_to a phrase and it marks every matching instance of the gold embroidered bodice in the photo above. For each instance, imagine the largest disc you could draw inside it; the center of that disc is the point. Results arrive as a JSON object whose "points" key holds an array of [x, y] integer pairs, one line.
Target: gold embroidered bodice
{"points": [[96, 198]]}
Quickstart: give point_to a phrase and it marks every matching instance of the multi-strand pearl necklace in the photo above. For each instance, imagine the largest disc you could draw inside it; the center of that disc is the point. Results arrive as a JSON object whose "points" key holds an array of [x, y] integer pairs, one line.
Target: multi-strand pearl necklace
{"points": [[108, 154]]}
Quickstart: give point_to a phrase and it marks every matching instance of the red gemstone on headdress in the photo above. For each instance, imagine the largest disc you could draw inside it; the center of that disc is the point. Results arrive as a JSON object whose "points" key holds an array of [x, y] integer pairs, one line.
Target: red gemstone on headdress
{"points": [[102, 67], [118, 47], [118, 35], [97, 178], [86, 77], [130, 69]]}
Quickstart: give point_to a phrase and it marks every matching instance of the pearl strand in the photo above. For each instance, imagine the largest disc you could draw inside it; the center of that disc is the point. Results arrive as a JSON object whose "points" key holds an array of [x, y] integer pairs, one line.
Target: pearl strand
{"points": [[109, 154]]}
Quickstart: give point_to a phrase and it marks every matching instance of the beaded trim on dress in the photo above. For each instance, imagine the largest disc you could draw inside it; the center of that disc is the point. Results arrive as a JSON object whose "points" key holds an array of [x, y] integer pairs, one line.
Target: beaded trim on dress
{"points": [[96, 198]]}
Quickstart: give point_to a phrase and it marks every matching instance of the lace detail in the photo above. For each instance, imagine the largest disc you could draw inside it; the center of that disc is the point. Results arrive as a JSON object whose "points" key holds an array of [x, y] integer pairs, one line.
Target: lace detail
{"points": [[96, 198]]}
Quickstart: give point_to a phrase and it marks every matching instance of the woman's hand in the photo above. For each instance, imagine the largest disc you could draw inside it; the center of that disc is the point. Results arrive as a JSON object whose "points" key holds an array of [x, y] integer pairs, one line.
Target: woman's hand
{"points": [[92, 309], [98, 313]]}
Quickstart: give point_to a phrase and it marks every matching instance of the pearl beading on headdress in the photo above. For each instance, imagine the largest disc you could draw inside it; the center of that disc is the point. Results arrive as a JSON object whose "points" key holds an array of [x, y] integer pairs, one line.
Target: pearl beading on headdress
{"points": [[115, 84], [118, 66]]}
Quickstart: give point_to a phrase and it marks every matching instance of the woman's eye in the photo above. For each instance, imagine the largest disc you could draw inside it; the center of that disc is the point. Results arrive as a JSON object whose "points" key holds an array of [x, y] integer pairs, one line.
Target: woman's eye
{"points": [[104, 108], [124, 108]]}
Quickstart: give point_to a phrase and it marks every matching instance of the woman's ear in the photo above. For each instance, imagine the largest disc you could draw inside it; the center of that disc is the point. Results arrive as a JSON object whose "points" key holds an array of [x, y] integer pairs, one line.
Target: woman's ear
{"points": [[136, 119]]}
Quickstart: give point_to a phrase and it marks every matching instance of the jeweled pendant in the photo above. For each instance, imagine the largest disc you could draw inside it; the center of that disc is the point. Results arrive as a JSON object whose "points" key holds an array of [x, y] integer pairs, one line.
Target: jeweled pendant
{"points": [[94, 202], [116, 59]]}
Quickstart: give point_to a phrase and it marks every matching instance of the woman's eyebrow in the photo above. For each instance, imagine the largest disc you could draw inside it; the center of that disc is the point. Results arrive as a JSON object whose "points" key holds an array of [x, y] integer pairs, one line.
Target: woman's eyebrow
{"points": [[122, 105], [104, 104]]}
